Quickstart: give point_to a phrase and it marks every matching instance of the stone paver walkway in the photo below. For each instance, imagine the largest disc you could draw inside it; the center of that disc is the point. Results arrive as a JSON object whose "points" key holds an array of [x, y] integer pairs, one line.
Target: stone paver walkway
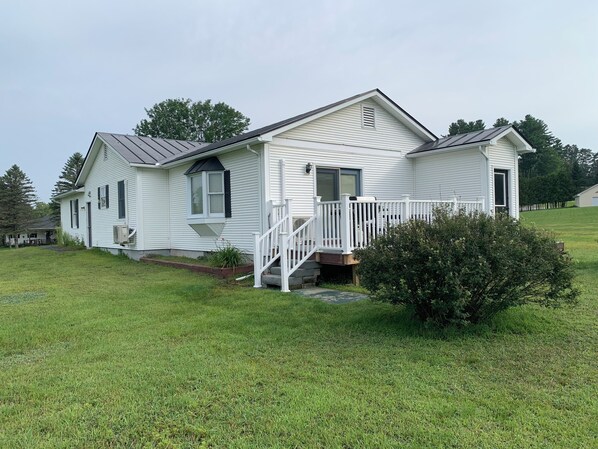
{"points": [[330, 296]]}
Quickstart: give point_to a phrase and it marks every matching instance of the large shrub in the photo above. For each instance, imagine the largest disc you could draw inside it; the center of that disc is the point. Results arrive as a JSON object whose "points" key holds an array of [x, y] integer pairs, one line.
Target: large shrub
{"points": [[465, 268]]}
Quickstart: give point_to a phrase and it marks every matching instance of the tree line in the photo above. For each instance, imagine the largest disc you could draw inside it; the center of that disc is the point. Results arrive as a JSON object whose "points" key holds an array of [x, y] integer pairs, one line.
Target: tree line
{"points": [[552, 175]]}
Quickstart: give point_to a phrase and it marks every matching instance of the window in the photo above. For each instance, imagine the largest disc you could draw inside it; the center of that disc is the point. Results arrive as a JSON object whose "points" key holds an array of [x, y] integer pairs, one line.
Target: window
{"points": [[368, 117], [207, 194], [103, 197], [209, 190], [74, 214], [501, 191], [121, 200], [331, 183]]}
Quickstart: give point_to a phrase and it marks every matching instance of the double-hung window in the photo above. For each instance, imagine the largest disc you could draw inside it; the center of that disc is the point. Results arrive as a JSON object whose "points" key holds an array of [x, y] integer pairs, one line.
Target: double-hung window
{"points": [[209, 190], [74, 214], [207, 194], [103, 197]]}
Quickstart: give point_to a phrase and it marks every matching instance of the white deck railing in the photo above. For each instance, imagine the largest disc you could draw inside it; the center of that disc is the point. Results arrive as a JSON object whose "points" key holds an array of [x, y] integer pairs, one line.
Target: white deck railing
{"points": [[349, 224], [338, 226]]}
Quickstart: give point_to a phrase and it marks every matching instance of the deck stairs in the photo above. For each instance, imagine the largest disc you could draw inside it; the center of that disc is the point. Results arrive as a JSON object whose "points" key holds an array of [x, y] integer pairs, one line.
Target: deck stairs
{"points": [[305, 276]]}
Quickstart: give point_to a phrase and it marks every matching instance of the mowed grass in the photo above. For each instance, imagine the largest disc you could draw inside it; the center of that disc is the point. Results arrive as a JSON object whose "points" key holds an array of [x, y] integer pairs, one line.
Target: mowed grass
{"points": [[100, 351]]}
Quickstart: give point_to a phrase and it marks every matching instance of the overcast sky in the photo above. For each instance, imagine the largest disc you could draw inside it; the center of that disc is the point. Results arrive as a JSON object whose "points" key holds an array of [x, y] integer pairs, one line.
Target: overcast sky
{"points": [[71, 68]]}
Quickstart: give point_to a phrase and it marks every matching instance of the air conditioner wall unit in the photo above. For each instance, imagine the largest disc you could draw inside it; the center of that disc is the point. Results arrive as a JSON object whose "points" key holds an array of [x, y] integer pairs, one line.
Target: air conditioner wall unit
{"points": [[120, 234]]}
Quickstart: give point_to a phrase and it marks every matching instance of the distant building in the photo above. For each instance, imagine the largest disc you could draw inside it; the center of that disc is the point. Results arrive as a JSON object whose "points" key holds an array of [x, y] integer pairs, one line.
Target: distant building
{"points": [[588, 197]]}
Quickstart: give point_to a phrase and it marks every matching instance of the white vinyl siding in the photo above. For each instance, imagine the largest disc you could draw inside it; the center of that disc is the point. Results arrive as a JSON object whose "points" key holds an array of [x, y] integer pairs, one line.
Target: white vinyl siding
{"points": [[108, 171], [442, 176], [503, 156], [245, 203], [384, 174], [345, 127], [154, 199], [65, 216]]}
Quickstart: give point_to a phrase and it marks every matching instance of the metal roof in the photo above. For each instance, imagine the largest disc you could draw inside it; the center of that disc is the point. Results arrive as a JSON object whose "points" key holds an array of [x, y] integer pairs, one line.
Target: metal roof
{"points": [[273, 127], [209, 164], [148, 150], [458, 140]]}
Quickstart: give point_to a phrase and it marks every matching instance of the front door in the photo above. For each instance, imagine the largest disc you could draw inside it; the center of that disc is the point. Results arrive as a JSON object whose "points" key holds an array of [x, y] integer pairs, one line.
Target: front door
{"points": [[501, 191], [89, 225]]}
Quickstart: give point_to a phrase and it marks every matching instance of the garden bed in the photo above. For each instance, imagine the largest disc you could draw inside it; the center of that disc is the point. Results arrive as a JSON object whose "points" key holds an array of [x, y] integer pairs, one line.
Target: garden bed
{"points": [[197, 267]]}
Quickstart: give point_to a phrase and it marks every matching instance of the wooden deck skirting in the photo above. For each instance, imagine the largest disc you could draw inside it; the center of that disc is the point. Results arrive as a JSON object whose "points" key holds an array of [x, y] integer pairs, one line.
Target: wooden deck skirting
{"points": [[219, 272]]}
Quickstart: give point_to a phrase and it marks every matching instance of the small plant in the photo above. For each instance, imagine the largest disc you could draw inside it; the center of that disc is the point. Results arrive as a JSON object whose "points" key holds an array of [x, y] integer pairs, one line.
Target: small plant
{"points": [[463, 269], [65, 239], [227, 256]]}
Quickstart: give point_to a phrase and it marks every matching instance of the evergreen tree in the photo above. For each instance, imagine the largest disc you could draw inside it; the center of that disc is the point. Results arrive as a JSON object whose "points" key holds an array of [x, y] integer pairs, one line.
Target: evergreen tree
{"points": [[66, 181], [17, 198], [501, 122]]}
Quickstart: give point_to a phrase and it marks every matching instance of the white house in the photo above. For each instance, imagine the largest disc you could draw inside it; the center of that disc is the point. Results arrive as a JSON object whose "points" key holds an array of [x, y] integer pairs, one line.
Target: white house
{"points": [[333, 177], [588, 197]]}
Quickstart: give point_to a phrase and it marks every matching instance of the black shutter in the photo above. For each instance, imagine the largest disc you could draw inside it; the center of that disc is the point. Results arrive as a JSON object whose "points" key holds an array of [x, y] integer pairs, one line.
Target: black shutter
{"points": [[77, 213], [71, 203], [227, 203], [99, 196], [121, 199], [107, 197]]}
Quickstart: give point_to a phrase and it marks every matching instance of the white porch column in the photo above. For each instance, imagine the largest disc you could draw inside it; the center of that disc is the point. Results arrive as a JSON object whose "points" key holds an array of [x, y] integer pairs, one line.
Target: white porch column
{"points": [[318, 215], [345, 224], [407, 216], [257, 261], [284, 262]]}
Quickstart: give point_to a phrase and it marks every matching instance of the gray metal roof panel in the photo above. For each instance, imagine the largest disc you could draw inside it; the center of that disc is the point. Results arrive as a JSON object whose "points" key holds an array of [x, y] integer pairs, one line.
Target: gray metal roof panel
{"points": [[148, 150], [471, 138]]}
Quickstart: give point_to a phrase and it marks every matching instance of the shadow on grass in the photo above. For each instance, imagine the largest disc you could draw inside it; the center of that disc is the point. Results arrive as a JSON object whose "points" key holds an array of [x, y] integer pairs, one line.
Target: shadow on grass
{"points": [[401, 321]]}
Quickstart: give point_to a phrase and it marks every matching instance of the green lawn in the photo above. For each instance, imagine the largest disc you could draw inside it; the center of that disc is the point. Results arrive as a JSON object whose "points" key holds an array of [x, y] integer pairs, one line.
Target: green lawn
{"points": [[100, 351]]}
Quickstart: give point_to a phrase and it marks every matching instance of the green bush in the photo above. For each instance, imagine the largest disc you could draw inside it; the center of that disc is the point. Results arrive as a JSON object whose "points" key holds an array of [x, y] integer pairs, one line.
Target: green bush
{"points": [[65, 239], [227, 256], [464, 269]]}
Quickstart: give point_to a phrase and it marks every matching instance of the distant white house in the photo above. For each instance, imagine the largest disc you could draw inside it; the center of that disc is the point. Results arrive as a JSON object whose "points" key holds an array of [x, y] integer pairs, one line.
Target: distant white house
{"points": [[588, 197], [341, 172]]}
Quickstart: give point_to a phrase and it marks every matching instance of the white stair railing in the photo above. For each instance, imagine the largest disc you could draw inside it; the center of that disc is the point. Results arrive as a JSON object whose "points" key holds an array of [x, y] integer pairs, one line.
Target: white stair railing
{"points": [[296, 248], [266, 248]]}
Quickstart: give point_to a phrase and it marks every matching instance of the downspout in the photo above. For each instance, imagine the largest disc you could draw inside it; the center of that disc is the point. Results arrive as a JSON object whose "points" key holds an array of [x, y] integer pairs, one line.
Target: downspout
{"points": [[261, 184]]}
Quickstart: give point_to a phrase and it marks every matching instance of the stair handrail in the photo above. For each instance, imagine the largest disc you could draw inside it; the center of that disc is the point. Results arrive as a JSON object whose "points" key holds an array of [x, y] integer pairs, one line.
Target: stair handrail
{"points": [[296, 248], [267, 249]]}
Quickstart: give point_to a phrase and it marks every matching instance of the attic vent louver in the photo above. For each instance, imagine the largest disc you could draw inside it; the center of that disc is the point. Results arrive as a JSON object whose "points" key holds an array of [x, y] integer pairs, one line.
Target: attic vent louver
{"points": [[368, 117], [105, 152]]}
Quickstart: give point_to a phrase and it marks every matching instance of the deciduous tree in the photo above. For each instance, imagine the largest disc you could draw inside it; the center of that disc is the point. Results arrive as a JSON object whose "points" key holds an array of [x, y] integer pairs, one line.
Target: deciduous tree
{"points": [[184, 119]]}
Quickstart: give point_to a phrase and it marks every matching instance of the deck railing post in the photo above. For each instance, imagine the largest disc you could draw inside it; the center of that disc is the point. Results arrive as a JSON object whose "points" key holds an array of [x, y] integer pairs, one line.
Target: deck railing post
{"points": [[284, 262], [345, 224], [318, 215], [407, 208], [257, 261], [455, 205], [482, 206], [289, 211]]}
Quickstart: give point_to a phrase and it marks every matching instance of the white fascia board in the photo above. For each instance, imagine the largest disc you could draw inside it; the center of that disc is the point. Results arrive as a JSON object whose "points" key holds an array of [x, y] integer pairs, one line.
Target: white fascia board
{"points": [[226, 149], [521, 145], [70, 193], [447, 150]]}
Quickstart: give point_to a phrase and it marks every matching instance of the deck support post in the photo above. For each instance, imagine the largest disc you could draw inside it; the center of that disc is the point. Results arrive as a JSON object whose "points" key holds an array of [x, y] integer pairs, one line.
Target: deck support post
{"points": [[284, 262], [345, 224], [407, 208], [257, 261]]}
